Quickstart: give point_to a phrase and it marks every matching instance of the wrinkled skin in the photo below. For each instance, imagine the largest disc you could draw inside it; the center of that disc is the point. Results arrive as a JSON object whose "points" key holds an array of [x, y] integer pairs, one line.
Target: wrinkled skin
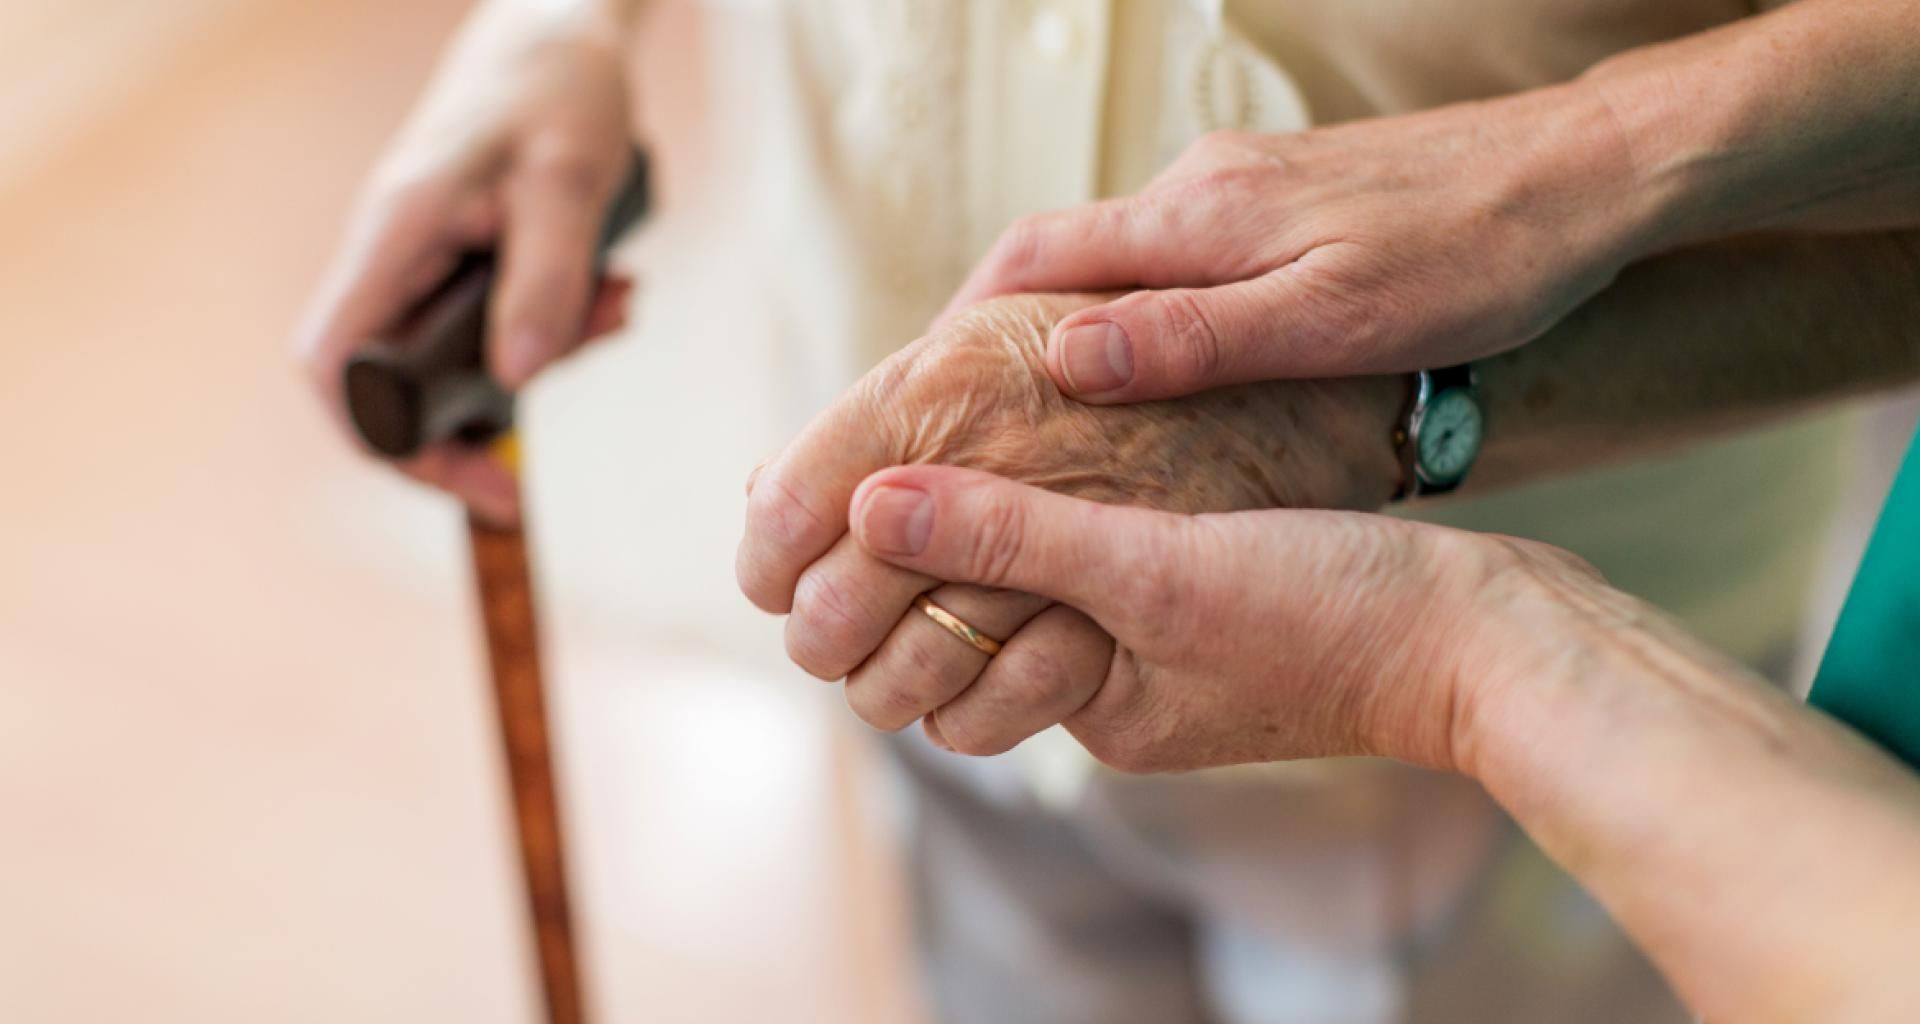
{"points": [[517, 146], [975, 393], [1247, 637]]}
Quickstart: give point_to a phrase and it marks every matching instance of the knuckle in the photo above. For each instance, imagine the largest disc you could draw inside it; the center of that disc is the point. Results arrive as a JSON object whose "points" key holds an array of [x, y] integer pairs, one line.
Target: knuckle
{"points": [[1220, 150], [803, 649], [972, 734], [1037, 677], [889, 385], [1131, 728], [881, 703], [1195, 351], [1021, 248], [998, 539], [756, 582], [777, 512], [564, 165], [897, 692], [825, 626], [1034, 680], [1155, 601]]}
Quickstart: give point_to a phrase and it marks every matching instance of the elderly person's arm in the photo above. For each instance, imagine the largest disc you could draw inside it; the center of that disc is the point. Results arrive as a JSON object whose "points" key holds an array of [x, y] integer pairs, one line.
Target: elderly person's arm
{"points": [[1702, 342], [518, 144], [1429, 239], [1766, 858]]}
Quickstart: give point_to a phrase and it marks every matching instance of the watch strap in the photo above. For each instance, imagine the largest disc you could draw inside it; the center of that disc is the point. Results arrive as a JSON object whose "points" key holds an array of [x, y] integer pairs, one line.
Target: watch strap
{"points": [[1428, 385]]}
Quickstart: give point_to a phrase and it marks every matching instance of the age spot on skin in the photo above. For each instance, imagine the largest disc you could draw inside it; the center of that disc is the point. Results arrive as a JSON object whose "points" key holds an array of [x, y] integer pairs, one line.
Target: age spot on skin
{"points": [[1540, 395], [1250, 472]]}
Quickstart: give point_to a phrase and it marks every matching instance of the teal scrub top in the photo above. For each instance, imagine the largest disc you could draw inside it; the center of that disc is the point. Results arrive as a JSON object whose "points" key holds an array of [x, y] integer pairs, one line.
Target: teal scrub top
{"points": [[1870, 675]]}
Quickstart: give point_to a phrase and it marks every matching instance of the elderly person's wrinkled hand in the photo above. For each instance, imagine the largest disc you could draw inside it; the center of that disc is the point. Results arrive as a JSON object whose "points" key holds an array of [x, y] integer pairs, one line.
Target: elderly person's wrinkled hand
{"points": [[518, 146], [975, 393]]}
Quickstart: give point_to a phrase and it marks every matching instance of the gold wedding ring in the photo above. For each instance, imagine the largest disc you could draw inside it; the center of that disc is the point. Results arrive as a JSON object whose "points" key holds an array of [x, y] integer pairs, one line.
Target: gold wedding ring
{"points": [[980, 641]]}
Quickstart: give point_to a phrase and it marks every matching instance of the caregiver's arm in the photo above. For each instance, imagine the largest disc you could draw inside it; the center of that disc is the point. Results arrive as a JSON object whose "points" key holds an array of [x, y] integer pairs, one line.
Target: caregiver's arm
{"points": [[1808, 117], [1767, 858], [1697, 343], [1431, 238]]}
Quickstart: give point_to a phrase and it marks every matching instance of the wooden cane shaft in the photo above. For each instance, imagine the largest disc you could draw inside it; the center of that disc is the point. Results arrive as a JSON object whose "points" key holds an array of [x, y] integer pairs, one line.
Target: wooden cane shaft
{"points": [[513, 650]]}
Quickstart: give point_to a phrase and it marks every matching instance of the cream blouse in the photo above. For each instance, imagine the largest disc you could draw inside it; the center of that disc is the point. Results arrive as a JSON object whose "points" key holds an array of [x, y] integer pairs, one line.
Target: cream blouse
{"points": [[890, 141]]}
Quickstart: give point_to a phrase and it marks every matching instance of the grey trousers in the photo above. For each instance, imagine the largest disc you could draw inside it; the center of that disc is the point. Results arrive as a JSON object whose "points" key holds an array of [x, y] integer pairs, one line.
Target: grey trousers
{"points": [[1360, 892]]}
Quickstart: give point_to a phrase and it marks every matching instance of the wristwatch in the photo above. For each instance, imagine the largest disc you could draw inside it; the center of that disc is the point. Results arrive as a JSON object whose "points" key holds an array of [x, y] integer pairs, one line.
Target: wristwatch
{"points": [[1440, 436]]}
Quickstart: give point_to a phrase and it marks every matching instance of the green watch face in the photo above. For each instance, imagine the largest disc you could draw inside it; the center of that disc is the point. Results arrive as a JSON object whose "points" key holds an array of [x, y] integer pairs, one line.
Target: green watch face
{"points": [[1450, 436]]}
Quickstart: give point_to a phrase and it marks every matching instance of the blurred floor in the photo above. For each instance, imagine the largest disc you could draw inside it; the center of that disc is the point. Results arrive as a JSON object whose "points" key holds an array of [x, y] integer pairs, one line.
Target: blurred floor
{"points": [[246, 767]]}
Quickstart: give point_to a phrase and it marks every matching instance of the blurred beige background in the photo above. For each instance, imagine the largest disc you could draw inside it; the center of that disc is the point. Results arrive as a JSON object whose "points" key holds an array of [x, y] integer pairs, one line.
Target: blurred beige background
{"points": [[247, 771]]}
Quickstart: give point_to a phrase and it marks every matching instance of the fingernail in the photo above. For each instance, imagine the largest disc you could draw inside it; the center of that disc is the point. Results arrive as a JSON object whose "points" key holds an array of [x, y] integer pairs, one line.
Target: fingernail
{"points": [[1096, 358], [524, 350], [897, 521]]}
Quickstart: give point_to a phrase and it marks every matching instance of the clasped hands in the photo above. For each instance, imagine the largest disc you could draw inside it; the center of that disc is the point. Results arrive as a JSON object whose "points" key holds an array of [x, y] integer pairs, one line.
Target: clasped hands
{"points": [[1188, 639], [1162, 635]]}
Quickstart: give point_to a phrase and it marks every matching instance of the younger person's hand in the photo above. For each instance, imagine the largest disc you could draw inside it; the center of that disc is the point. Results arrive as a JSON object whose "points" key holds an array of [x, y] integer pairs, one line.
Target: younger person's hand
{"points": [[1389, 245], [1239, 637], [1642, 761]]}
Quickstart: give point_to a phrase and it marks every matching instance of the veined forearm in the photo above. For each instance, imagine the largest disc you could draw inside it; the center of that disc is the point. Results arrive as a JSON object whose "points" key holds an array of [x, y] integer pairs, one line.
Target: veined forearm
{"points": [[1807, 117], [1766, 858], [1700, 342]]}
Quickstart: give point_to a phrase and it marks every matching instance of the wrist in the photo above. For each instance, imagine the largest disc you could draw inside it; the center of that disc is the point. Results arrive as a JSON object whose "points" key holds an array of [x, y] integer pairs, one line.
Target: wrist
{"points": [[1588, 169], [1451, 627], [1374, 424], [1324, 444], [1645, 764], [1670, 143], [1559, 666], [1536, 623], [1762, 124]]}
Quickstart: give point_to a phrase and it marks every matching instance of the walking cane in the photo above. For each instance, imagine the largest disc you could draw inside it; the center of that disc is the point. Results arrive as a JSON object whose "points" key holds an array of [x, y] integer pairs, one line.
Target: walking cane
{"points": [[426, 382]]}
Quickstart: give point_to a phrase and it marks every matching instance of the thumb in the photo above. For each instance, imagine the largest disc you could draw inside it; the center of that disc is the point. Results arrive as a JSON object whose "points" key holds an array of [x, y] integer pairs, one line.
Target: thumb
{"points": [[1166, 344], [966, 526]]}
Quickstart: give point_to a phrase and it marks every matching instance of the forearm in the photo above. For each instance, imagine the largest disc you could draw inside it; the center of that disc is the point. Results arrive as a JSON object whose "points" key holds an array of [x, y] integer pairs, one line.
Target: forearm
{"points": [[1807, 117], [1766, 858], [1704, 341]]}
